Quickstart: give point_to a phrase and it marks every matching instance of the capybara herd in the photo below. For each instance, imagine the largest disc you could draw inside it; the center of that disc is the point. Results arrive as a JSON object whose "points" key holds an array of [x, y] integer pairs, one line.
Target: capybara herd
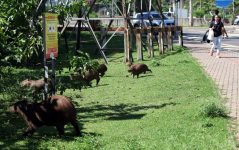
{"points": [[56, 111]]}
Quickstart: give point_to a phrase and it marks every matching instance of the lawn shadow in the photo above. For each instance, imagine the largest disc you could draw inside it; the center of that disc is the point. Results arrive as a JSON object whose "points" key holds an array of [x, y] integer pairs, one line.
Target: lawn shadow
{"points": [[145, 75], [172, 52], [99, 85], [117, 112]]}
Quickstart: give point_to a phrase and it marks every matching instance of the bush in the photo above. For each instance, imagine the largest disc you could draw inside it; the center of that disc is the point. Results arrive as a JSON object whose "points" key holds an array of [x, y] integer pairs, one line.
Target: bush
{"points": [[214, 110], [199, 13]]}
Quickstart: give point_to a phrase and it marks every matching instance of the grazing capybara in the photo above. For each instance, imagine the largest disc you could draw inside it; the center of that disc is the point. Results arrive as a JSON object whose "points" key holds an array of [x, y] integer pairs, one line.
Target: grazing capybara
{"points": [[91, 75], [102, 68], [34, 85], [76, 77], [137, 69], [56, 111]]}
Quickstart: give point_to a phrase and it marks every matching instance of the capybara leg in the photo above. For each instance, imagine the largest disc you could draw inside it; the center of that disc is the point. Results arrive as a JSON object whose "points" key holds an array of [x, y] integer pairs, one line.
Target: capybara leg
{"points": [[137, 75], [89, 84], [29, 131], [75, 125], [97, 81], [60, 129]]}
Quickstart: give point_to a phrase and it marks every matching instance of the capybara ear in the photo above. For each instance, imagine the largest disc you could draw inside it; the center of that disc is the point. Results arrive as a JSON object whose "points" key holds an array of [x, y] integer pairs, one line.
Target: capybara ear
{"points": [[129, 63]]}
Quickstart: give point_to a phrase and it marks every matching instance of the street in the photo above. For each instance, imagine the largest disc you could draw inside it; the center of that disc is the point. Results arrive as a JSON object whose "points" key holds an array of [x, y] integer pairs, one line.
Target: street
{"points": [[195, 34]]}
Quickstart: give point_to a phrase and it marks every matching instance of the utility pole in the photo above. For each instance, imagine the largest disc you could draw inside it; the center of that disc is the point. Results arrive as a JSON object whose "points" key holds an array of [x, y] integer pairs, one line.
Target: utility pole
{"points": [[233, 7], [190, 13]]}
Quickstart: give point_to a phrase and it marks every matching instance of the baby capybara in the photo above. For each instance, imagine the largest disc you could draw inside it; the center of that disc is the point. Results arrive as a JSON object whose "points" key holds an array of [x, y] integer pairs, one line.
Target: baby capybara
{"points": [[90, 75], [56, 111], [137, 69], [34, 85], [102, 68]]}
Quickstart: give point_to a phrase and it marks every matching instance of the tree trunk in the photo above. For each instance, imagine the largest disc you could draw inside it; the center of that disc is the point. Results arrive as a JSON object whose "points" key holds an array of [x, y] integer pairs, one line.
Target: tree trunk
{"points": [[78, 38]]}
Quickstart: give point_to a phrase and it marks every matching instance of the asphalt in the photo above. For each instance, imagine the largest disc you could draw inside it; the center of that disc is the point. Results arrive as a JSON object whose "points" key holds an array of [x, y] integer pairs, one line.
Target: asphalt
{"points": [[224, 71]]}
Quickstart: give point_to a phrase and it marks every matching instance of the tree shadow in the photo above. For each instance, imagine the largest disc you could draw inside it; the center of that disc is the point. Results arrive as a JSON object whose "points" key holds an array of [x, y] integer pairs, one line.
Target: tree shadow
{"points": [[117, 112], [172, 52]]}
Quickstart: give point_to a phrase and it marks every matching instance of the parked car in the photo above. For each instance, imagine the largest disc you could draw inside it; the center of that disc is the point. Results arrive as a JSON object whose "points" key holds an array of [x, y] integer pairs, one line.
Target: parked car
{"points": [[152, 18], [236, 20], [168, 14]]}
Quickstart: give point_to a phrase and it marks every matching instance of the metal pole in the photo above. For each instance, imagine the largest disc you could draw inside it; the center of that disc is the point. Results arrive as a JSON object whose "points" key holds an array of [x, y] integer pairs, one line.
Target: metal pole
{"points": [[45, 79], [45, 63], [53, 76]]}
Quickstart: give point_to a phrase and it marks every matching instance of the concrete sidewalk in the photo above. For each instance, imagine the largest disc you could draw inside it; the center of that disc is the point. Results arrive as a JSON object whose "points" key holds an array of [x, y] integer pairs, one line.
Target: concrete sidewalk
{"points": [[224, 71]]}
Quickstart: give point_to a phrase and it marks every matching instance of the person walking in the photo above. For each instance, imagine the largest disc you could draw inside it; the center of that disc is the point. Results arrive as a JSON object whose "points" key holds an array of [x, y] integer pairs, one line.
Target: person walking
{"points": [[217, 27], [224, 32]]}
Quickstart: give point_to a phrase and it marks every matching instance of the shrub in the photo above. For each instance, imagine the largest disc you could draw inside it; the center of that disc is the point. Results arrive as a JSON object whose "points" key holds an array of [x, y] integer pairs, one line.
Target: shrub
{"points": [[214, 110], [199, 13]]}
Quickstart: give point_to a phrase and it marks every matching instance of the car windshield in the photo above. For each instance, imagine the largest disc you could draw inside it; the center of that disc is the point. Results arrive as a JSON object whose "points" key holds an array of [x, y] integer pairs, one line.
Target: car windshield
{"points": [[154, 15]]}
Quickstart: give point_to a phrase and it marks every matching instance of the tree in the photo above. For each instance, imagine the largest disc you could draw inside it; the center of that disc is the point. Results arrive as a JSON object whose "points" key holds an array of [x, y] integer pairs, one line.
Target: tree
{"points": [[20, 39]]}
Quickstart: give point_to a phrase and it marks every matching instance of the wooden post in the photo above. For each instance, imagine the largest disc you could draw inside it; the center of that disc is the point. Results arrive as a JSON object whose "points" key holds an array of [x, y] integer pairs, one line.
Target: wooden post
{"points": [[170, 42], [152, 46], [166, 37], [161, 38], [139, 45], [126, 44], [150, 43], [126, 34], [131, 45], [180, 36]]}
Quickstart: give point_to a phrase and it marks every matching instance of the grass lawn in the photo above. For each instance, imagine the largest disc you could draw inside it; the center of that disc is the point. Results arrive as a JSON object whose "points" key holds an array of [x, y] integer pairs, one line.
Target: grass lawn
{"points": [[159, 110]]}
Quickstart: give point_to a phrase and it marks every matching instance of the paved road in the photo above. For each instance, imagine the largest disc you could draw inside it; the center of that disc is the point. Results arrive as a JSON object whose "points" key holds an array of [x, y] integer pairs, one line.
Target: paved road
{"points": [[196, 34]]}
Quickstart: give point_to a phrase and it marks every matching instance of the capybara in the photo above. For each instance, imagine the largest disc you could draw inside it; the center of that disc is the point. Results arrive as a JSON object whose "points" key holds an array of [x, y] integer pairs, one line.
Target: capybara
{"points": [[37, 85], [137, 69], [56, 111], [91, 75], [76, 77], [34, 85], [102, 68]]}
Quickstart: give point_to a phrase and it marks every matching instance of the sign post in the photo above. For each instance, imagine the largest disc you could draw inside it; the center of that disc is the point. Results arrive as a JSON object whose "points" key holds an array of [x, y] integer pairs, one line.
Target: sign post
{"points": [[50, 36]]}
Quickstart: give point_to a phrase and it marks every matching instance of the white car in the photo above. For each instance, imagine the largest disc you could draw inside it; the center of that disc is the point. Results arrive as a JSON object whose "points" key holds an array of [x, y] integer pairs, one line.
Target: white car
{"points": [[236, 21], [151, 19]]}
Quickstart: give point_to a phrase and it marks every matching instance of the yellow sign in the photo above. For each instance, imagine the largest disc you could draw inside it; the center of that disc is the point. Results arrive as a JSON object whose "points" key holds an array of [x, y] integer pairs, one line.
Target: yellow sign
{"points": [[50, 22]]}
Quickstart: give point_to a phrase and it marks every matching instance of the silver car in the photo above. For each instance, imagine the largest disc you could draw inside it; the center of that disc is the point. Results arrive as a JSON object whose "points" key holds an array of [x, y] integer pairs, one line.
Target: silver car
{"points": [[151, 19], [236, 21]]}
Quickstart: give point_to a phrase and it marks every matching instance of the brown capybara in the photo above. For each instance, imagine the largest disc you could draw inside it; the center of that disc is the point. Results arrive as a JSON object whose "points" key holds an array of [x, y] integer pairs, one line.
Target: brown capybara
{"points": [[137, 69], [34, 85], [102, 68], [76, 77], [56, 111], [91, 75]]}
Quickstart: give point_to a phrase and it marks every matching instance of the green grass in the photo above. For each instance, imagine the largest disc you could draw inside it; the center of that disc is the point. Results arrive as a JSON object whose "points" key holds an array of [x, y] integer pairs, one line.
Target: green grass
{"points": [[159, 110]]}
